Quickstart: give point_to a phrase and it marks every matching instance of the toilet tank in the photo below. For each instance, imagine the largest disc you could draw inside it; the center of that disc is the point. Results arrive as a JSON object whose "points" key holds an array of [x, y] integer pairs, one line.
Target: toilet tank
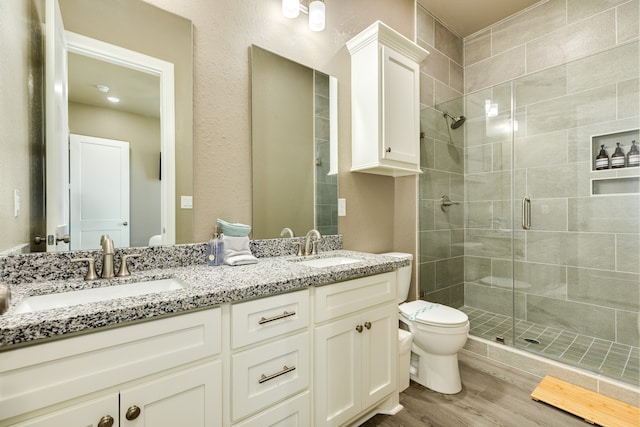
{"points": [[404, 275]]}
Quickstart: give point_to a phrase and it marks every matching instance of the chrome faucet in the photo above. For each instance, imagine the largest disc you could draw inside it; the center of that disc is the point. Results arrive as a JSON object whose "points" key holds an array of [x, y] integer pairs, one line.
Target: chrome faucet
{"points": [[108, 253], [308, 242]]}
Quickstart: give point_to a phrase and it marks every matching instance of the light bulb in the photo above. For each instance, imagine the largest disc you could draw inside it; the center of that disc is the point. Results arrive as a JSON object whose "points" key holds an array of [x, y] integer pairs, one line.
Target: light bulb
{"points": [[316, 15], [291, 8]]}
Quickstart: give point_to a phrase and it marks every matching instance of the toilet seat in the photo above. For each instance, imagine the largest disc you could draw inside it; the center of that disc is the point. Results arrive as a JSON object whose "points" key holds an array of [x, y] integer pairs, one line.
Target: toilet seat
{"points": [[433, 314]]}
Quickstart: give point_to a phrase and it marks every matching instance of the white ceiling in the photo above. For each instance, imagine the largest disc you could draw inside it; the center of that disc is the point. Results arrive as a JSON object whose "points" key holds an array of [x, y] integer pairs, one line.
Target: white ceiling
{"points": [[465, 17], [139, 92]]}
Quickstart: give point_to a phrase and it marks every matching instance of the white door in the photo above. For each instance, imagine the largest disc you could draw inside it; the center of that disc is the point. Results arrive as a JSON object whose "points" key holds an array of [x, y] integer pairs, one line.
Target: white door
{"points": [[85, 414], [99, 188], [56, 129], [401, 115], [192, 397], [338, 376]]}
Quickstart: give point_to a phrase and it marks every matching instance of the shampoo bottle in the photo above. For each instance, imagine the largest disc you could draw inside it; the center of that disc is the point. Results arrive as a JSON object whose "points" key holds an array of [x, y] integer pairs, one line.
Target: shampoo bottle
{"points": [[618, 157], [602, 159], [633, 156]]}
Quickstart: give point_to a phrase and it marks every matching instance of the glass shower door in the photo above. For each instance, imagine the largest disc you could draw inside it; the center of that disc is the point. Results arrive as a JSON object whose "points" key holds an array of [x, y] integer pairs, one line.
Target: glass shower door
{"points": [[576, 242]]}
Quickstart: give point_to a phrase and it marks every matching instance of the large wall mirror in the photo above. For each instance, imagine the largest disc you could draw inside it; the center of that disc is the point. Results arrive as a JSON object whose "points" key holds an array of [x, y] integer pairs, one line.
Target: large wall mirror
{"points": [[294, 147], [145, 30]]}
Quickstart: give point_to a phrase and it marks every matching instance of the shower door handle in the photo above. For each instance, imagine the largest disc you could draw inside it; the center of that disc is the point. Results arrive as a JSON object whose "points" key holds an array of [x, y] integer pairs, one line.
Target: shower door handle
{"points": [[526, 213]]}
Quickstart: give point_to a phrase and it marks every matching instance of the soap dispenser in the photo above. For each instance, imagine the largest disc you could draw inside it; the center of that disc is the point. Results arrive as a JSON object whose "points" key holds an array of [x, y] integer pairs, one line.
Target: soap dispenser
{"points": [[618, 157], [215, 249], [633, 156], [602, 159]]}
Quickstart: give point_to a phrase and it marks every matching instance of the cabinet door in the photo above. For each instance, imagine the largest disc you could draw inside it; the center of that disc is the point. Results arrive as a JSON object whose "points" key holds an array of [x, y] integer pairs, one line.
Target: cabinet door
{"points": [[401, 110], [191, 397], [379, 354], [337, 372], [86, 414]]}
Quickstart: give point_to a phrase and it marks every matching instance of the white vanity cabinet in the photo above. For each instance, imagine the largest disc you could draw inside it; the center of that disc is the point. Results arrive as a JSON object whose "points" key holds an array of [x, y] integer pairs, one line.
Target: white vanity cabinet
{"points": [[271, 361], [385, 102], [169, 369], [355, 349]]}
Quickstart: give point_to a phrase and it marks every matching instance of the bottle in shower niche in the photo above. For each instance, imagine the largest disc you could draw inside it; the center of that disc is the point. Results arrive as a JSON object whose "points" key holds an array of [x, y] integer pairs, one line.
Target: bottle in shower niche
{"points": [[618, 158], [633, 156], [602, 159]]}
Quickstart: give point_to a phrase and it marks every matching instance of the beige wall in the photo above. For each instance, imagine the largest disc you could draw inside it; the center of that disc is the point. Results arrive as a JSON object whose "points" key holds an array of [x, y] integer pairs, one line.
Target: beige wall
{"points": [[21, 110], [143, 135], [223, 32]]}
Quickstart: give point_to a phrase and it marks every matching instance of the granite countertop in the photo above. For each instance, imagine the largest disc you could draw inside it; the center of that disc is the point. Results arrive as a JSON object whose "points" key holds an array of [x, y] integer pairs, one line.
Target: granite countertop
{"points": [[205, 286]]}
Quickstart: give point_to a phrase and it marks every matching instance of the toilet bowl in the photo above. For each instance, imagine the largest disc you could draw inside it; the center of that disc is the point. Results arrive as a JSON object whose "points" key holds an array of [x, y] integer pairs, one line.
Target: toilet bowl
{"points": [[439, 332]]}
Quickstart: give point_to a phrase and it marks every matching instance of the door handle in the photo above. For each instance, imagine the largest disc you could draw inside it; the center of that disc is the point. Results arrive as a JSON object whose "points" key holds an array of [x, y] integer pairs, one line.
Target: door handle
{"points": [[125, 223], [526, 213]]}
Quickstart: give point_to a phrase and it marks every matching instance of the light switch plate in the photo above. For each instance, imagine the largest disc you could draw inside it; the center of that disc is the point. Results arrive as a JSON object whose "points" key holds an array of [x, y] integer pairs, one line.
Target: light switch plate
{"points": [[342, 207], [186, 202]]}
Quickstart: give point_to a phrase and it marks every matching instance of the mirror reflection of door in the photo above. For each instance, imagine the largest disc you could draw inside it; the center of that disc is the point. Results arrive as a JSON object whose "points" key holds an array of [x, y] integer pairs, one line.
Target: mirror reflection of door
{"points": [[56, 131], [98, 191]]}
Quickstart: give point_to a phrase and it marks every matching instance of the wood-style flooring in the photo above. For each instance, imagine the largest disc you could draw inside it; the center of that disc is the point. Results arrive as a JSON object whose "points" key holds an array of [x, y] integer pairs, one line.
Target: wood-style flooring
{"points": [[492, 395]]}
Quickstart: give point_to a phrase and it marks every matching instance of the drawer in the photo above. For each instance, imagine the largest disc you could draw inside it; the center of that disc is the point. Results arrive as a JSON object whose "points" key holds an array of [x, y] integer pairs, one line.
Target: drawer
{"points": [[269, 373], [264, 318], [343, 298], [295, 412], [44, 374]]}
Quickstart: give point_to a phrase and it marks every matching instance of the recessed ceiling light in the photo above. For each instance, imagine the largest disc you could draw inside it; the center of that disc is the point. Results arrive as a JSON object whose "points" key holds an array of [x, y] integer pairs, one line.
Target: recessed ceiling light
{"points": [[113, 99], [102, 88]]}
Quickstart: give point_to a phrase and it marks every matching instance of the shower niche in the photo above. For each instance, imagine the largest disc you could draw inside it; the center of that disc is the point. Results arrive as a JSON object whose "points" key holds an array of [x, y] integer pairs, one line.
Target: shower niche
{"points": [[614, 180]]}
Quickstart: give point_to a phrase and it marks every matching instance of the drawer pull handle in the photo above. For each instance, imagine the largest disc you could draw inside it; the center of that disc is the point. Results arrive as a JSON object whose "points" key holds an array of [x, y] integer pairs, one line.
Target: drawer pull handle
{"points": [[277, 317], [132, 413], [285, 370], [106, 421]]}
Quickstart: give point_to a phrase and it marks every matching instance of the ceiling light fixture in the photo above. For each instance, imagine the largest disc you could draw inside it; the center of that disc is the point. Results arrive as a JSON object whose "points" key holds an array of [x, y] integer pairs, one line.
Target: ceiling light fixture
{"points": [[315, 10], [102, 88], [113, 99]]}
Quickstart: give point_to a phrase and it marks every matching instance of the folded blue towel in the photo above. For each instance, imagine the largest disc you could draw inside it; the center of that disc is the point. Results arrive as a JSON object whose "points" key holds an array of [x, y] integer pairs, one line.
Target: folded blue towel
{"points": [[234, 229]]}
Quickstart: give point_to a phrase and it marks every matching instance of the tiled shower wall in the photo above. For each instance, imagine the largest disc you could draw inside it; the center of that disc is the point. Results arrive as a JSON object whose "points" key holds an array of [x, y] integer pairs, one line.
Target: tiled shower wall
{"points": [[442, 163], [326, 185], [577, 268]]}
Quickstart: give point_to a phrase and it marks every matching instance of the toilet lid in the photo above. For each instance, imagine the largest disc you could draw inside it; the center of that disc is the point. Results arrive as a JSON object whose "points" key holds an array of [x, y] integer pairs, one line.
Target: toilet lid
{"points": [[433, 314]]}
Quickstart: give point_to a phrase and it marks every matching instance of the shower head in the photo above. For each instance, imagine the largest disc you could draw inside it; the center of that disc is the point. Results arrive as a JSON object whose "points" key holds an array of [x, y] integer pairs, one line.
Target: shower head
{"points": [[456, 122]]}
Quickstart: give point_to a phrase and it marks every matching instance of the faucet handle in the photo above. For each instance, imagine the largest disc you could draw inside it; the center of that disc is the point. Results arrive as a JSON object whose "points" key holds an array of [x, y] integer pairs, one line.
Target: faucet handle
{"points": [[124, 271], [91, 271], [314, 246], [300, 245]]}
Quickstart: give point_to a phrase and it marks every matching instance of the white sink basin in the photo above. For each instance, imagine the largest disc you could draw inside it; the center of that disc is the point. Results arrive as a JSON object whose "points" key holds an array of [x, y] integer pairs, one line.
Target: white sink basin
{"points": [[66, 299], [328, 262]]}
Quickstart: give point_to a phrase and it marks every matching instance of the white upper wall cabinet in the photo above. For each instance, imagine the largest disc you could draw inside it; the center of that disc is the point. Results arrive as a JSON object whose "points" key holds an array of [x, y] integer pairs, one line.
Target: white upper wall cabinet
{"points": [[385, 102]]}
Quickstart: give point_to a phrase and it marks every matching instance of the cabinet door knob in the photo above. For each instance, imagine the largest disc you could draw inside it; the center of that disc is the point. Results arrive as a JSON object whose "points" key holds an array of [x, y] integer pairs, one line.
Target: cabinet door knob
{"points": [[132, 413], [388, 149], [106, 421], [359, 329], [367, 325]]}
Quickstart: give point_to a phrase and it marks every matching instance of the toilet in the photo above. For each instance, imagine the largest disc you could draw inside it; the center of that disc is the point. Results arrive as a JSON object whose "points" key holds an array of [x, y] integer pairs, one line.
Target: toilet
{"points": [[439, 332]]}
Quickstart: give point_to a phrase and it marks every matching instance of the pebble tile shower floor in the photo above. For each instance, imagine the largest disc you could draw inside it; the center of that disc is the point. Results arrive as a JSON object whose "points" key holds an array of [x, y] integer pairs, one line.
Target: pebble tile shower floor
{"points": [[615, 360]]}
